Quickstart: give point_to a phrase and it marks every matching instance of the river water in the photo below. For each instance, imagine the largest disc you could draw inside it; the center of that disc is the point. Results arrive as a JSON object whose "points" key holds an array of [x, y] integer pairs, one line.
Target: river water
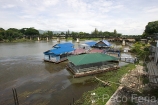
{"points": [[37, 82]]}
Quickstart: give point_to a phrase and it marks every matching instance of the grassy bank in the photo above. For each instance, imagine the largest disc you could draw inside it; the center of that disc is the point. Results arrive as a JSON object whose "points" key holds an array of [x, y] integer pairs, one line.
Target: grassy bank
{"points": [[100, 91]]}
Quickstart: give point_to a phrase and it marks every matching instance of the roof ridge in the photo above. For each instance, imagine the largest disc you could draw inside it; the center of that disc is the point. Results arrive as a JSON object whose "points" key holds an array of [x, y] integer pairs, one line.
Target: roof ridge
{"points": [[82, 58]]}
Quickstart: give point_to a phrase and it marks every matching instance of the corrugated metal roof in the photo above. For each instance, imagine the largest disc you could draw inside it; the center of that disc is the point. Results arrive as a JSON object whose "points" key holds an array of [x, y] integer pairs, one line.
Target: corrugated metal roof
{"points": [[90, 58], [106, 42], [61, 48], [92, 43], [59, 51], [60, 45]]}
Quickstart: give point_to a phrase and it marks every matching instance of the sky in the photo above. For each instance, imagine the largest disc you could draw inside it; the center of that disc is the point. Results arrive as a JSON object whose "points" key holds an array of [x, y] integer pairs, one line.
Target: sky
{"points": [[128, 17]]}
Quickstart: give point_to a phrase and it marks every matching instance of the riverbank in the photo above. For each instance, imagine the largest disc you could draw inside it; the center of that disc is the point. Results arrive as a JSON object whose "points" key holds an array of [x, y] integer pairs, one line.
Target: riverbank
{"points": [[98, 93], [128, 86], [17, 40], [28, 40]]}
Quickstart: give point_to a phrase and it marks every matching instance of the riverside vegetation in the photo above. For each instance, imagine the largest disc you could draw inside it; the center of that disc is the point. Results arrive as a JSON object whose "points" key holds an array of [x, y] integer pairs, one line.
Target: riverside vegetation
{"points": [[100, 90]]}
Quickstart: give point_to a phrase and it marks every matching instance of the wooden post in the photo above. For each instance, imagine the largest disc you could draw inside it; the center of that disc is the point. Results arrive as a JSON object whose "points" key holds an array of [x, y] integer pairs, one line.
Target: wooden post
{"points": [[58, 39], [123, 43], [73, 102], [78, 40], [16, 101], [47, 39]]}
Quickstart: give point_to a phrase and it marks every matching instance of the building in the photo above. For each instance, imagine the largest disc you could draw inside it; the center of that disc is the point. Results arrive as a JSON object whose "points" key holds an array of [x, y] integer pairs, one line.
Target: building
{"points": [[63, 45], [91, 43], [88, 64], [153, 66], [59, 52], [87, 45], [102, 44]]}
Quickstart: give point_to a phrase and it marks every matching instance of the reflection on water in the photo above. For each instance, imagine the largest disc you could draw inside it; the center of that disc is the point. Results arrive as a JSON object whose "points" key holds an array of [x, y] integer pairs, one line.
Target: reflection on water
{"points": [[21, 66], [51, 68]]}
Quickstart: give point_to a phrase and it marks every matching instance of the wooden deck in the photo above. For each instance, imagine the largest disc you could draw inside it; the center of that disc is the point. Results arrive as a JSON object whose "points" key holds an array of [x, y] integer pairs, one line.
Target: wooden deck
{"points": [[152, 72]]}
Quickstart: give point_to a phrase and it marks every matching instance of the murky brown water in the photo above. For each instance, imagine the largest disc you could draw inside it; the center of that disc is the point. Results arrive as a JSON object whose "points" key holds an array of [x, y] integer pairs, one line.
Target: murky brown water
{"points": [[37, 82]]}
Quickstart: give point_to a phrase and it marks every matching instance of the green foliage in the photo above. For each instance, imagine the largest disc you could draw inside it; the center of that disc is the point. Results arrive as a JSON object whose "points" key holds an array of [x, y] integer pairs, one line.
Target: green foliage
{"points": [[115, 32], [74, 35], [1, 29], [105, 34], [141, 50], [151, 28], [31, 32], [13, 34], [48, 34], [113, 76], [1, 37], [95, 32], [1, 34]]}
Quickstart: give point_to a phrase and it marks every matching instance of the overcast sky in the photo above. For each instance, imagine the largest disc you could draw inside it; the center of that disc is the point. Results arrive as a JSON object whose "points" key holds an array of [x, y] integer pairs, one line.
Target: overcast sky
{"points": [[126, 16]]}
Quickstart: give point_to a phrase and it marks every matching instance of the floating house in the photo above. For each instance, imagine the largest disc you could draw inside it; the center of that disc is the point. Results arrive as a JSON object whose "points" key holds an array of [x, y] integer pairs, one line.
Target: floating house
{"points": [[63, 45], [59, 52], [91, 43], [102, 44], [89, 64], [87, 45]]}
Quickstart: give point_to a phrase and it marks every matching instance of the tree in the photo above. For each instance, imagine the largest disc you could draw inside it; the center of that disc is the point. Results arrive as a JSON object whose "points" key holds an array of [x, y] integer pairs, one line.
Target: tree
{"points": [[9, 35], [50, 34], [142, 50], [100, 33], [151, 28], [67, 34], [31, 32], [23, 30], [95, 32], [2, 31], [115, 32], [74, 35]]}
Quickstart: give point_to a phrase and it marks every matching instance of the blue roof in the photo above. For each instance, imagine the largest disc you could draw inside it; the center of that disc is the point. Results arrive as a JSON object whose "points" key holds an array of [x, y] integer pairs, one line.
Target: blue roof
{"points": [[60, 45], [92, 43], [59, 51], [106, 42]]}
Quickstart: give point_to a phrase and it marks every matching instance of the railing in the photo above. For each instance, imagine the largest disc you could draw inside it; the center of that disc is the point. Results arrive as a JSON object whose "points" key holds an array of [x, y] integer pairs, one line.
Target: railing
{"points": [[88, 69], [127, 59]]}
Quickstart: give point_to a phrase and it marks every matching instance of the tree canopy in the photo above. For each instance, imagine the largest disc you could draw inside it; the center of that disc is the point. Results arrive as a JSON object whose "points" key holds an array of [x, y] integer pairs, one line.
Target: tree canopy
{"points": [[151, 29], [31, 31]]}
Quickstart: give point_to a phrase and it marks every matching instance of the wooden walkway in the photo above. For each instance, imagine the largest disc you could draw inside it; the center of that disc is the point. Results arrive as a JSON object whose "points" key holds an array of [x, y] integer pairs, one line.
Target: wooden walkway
{"points": [[105, 83], [152, 72]]}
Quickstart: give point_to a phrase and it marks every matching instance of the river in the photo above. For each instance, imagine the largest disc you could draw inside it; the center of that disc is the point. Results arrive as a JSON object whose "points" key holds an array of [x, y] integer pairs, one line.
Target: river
{"points": [[37, 82]]}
